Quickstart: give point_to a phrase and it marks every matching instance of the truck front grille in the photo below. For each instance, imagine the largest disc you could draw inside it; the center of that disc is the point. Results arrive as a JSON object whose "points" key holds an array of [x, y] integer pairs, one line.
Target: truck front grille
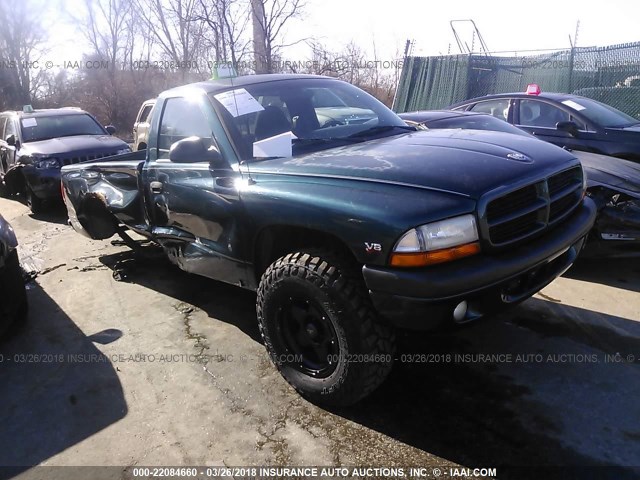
{"points": [[86, 158], [533, 208]]}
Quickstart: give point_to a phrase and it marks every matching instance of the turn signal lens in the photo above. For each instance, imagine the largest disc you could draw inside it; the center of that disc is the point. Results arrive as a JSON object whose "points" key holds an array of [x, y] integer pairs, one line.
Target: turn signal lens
{"points": [[423, 259]]}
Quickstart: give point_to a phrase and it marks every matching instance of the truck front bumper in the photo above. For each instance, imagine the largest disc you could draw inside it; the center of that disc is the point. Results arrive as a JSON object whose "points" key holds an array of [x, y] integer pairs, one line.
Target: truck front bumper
{"points": [[425, 298]]}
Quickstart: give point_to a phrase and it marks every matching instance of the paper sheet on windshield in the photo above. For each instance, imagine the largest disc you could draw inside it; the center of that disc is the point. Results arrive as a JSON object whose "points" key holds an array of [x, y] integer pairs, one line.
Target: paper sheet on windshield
{"points": [[29, 122], [239, 102], [574, 105], [278, 146]]}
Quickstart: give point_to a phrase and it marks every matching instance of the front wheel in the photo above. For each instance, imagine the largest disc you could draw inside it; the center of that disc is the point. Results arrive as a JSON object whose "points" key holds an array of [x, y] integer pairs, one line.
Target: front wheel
{"points": [[320, 328], [33, 202]]}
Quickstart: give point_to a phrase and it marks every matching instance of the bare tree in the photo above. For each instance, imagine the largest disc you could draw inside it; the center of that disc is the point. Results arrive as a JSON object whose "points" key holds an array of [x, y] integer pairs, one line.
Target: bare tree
{"points": [[21, 42], [228, 20], [107, 29], [269, 19], [351, 64], [105, 25], [173, 25]]}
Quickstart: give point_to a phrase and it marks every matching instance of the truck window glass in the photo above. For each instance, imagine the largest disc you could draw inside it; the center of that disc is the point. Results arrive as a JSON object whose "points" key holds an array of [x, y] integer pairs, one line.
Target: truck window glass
{"points": [[498, 108], [327, 112], [181, 119], [10, 128], [534, 113]]}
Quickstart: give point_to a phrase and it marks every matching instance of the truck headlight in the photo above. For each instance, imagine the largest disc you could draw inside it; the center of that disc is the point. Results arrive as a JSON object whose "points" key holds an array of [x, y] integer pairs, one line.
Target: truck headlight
{"points": [[123, 151], [47, 163], [437, 242]]}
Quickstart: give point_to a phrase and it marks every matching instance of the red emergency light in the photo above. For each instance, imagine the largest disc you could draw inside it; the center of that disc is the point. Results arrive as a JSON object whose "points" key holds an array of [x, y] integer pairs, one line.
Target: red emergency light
{"points": [[533, 89]]}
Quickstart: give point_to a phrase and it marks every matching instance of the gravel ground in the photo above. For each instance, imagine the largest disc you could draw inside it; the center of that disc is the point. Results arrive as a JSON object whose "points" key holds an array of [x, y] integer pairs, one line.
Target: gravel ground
{"points": [[127, 361]]}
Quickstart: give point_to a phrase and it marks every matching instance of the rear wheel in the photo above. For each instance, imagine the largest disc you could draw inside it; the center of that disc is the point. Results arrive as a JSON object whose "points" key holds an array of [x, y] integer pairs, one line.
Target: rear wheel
{"points": [[321, 330]]}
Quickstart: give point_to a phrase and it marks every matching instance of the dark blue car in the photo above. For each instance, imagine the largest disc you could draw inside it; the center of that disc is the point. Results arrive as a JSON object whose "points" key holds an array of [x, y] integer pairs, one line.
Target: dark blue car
{"points": [[35, 144], [570, 121]]}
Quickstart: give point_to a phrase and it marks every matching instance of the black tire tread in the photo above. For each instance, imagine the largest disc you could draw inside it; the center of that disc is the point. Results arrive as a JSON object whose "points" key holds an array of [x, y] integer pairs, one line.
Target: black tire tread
{"points": [[330, 270], [35, 204]]}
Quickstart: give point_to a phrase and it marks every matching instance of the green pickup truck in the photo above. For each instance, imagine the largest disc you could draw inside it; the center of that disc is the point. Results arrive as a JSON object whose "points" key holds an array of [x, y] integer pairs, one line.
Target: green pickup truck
{"points": [[347, 222]]}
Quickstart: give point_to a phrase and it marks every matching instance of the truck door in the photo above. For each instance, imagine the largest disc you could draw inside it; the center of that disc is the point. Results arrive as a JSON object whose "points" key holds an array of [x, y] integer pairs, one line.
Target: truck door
{"points": [[540, 119], [7, 152], [193, 206]]}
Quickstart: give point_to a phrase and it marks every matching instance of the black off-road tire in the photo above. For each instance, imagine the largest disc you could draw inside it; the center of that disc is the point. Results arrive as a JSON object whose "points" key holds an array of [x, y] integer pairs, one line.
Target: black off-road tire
{"points": [[364, 346], [33, 202]]}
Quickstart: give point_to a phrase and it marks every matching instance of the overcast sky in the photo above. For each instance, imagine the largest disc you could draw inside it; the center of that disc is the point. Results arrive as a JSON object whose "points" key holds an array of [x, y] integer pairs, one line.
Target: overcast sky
{"points": [[505, 26], [517, 25]]}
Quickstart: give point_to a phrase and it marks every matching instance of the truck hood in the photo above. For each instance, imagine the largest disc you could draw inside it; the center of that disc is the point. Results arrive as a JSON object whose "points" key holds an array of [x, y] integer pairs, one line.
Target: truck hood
{"points": [[468, 163], [615, 173], [79, 143]]}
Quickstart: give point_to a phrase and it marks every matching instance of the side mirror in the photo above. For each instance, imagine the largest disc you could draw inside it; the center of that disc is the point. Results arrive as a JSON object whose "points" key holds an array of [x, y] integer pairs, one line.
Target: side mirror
{"points": [[193, 149], [111, 130], [570, 127], [11, 140]]}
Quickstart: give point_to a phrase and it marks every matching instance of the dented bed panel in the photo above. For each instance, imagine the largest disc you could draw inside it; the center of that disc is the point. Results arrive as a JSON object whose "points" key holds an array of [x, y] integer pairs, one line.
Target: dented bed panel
{"points": [[100, 195]]}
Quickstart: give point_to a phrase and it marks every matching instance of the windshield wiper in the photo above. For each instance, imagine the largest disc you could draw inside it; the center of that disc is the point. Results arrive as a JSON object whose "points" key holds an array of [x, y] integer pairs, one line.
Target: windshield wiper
{"points": [[381, 129], [308, 142]]}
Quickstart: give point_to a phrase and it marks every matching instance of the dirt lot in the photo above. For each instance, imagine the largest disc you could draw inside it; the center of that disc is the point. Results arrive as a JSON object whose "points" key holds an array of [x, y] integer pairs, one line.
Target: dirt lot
{"points": [[128, 361]]}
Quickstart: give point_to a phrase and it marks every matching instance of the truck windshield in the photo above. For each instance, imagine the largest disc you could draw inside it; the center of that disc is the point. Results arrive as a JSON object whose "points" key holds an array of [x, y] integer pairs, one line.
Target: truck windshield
{"points": [[319, 113], [39, 128]]}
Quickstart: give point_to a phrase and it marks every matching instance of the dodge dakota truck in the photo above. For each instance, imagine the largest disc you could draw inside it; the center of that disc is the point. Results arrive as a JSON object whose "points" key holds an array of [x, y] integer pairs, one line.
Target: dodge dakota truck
{"points": [[347, 222]]}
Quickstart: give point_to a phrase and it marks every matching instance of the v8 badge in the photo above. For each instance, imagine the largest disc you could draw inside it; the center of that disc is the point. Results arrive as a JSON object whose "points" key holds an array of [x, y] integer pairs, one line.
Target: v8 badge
{"points": [[372, 247]]}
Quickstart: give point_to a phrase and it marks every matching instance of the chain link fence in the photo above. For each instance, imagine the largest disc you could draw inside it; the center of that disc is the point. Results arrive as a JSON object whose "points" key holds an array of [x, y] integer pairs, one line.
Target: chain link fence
{"points": [[608, 74]]}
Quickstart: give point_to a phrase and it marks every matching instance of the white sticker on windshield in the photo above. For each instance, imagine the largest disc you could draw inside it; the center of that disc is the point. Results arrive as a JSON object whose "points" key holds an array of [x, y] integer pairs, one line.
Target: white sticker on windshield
{"points": [[574, 105], [29, 122], [239, 102]]}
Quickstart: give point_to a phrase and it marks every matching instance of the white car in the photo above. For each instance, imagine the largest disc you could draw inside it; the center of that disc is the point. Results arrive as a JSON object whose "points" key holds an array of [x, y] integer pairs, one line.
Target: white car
{"points": [[141, 126]]}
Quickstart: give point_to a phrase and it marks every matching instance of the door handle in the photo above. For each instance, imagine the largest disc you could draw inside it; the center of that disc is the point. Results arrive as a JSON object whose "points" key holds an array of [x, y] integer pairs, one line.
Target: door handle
{"points": [[156, 187]]}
